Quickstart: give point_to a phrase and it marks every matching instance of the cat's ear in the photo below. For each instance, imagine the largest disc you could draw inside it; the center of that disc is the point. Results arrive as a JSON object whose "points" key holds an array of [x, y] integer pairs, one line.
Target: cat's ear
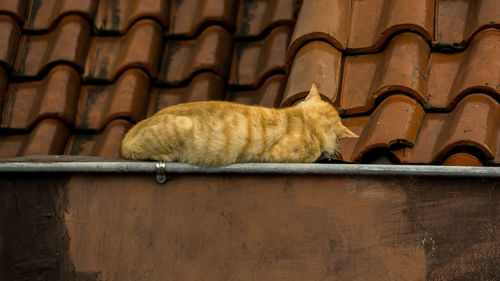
{"points": [[313, 94], [344, 132]]}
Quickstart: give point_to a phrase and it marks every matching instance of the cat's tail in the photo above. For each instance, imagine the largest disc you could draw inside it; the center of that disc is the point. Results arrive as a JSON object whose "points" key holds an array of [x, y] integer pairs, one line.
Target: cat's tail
{"points": [[133, 143], [129, 145], [156, 140]]}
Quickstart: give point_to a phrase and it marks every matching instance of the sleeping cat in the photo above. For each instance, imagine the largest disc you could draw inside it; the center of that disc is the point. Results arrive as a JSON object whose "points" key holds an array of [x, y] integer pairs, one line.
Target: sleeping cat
{"points": [[217, 133]]}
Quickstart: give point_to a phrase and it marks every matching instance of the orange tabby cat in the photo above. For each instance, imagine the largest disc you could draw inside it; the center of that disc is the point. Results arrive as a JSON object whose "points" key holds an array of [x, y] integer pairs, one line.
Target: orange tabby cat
{"points": [[216, 133]]}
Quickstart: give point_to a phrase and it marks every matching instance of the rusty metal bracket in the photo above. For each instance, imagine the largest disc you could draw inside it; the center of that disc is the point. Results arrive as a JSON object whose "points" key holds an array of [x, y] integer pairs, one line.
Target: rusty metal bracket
{"points": [[161, 173]]}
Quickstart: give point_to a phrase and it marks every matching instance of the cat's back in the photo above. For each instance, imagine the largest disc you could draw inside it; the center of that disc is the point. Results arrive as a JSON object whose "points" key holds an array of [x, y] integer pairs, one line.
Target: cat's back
{"points": [[207, 133], [226, 132], [208, 108]]}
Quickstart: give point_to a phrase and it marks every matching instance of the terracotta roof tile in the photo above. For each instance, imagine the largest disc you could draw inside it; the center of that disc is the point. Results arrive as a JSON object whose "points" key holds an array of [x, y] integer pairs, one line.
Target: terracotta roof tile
{"points": [[462, 159], [55, 96], [10, 32], [104, 144], [318, 62], [452, 76], [254, 17], [458, 21], [140, 47], [127, 97], [374, 21], [14, 8], [188, 16], [395, 122], [441, 133], [401, 66], [68, 42], [117, 16], [42, 14], [437, 80], [269, 94], [400, 126], [47, 137], [183, 58], [419, 81], [203, 87], [358, 26], [253, 61], [322, 19]]}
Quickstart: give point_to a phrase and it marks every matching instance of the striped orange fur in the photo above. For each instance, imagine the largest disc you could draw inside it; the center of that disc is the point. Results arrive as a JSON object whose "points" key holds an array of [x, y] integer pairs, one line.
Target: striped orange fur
{"points": [[217, 133]]}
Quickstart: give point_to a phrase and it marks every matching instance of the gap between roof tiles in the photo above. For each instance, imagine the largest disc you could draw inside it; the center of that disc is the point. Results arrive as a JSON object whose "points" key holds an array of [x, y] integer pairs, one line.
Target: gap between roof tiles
{"points": [[261, 82], [111, 33], [379, 100], [263, 34], [54, 25], [186, 82], [199, 31], [43, 73]]}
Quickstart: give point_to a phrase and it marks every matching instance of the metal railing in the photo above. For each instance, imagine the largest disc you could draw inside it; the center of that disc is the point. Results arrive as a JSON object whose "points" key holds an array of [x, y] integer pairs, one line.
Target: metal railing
{"points": [[248, 168]]}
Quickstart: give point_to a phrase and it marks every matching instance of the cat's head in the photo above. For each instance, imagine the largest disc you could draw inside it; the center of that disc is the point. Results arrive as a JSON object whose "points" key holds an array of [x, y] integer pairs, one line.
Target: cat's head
{"points": [[325, 120]]}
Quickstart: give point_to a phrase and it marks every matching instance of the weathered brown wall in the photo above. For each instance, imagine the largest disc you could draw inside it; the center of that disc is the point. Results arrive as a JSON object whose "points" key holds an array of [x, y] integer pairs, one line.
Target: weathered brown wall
{"points": [[255, 227]]}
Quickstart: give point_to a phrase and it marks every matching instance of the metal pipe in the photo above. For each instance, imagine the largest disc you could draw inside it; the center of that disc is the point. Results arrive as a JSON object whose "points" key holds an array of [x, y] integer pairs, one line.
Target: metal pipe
{"points": [[249, 168]]}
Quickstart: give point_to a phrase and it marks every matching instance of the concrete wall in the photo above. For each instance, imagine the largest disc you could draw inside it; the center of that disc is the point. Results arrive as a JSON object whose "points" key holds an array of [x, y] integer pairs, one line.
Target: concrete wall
{"points": [[253, 227]]}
